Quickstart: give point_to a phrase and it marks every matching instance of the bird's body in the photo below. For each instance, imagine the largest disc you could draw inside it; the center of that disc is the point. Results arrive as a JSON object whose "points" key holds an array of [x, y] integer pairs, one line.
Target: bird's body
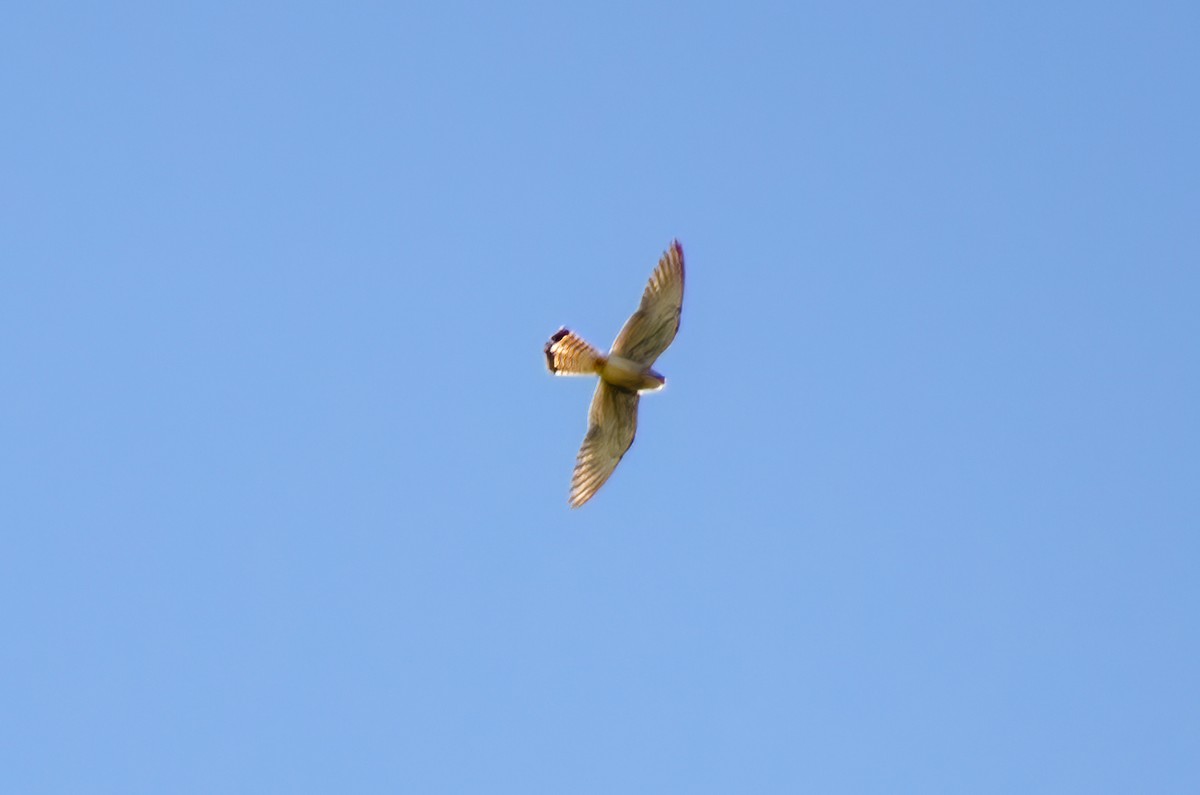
{"points": [[624, 372], [628, 374]]}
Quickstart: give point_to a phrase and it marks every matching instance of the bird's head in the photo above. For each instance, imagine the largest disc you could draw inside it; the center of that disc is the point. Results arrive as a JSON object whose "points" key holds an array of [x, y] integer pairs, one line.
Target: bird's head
{"points": [[652, 381]]}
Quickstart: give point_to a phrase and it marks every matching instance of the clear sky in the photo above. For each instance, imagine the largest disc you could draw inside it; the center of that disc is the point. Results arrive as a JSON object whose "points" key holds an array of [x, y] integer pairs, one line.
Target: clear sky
{"points": [[284, 476]]}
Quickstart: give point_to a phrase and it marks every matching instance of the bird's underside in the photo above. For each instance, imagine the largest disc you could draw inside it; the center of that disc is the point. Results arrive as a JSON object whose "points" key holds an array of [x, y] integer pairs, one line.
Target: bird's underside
{"points": [[625, 371]]}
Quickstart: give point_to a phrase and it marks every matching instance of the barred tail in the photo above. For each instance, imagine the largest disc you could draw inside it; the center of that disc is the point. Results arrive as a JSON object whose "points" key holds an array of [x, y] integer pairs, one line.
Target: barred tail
{"points": [[568, 354]]}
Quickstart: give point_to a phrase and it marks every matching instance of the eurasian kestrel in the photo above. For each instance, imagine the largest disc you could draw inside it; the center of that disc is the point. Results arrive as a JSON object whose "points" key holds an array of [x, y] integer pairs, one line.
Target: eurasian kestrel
{"points": [[624, 373]]}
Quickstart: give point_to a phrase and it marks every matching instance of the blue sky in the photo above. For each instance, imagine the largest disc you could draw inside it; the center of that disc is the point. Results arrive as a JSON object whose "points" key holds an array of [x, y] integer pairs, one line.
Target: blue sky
{"points": [[285, 477]]}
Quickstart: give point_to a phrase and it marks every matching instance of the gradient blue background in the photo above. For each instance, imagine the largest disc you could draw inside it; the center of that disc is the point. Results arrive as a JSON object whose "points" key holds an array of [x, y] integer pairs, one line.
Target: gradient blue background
{"points": [[284, 476]]}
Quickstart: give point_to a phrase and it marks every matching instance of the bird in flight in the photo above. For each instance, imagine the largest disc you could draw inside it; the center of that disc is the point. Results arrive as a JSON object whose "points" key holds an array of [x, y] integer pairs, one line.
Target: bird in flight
{"points": [[624, 372]]}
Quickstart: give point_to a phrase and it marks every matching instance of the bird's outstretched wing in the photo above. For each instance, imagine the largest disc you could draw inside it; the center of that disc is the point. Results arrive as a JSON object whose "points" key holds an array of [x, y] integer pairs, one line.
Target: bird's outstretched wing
{"points": [[651, 328], [612, 423]]}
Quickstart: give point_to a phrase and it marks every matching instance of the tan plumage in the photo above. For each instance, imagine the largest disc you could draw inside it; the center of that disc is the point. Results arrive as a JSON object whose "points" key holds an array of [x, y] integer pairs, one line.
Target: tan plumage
{"points": [[612, 423], [624, 372], [651, 328], [568, 354]]}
